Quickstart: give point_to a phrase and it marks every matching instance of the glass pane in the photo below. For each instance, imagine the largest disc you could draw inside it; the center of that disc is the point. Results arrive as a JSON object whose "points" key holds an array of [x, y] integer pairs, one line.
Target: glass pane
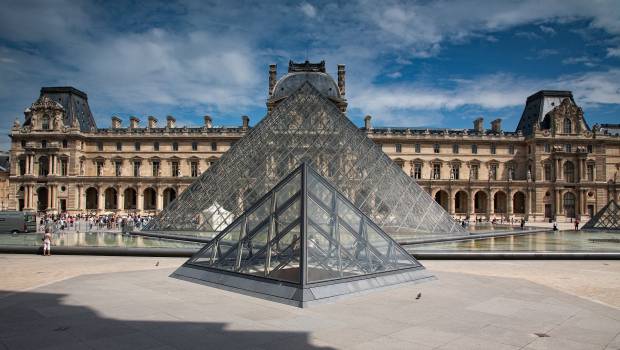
{"points": [[319, 190], [288, 190], [348, 214], [377, 241], [253, 259], [259, 214], [288, 215], [319, 217], [285, 257]]}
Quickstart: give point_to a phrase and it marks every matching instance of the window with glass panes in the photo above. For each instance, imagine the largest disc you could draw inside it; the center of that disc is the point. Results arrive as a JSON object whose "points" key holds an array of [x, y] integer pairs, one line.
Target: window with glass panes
{"points": [[473, 171], [474, 149], [155, 146], [417, 148], [63, 167], [118, 166], [493, 148], [547, 170], [399, 147], [194, 146], [455, 149], [175, 146], [417, 171], [436, 171], [436, 148], [136, 168], [175, 169], [194, 169], [155, 169]]}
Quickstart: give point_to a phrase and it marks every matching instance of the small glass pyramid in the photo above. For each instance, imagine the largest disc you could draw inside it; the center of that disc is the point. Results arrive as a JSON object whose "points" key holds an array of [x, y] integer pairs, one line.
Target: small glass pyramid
{"points": [[302, 242], [307, 126], [607, 218]]}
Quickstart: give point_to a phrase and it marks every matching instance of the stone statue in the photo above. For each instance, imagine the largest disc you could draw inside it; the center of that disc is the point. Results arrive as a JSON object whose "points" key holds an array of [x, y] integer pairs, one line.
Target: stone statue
{"points": [[529, 175]]}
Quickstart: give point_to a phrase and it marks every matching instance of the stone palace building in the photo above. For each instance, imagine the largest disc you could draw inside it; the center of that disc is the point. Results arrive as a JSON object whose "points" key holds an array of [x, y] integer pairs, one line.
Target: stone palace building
{"points": [[554, 165]]}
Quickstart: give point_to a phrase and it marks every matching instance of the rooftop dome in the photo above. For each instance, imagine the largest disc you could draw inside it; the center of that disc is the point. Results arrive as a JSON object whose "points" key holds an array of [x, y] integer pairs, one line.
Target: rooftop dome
{"points": [[291, 82]]}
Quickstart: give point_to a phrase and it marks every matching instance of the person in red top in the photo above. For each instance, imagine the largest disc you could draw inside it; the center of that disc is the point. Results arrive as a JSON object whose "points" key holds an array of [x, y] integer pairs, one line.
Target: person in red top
{"points": [[576, 224]]}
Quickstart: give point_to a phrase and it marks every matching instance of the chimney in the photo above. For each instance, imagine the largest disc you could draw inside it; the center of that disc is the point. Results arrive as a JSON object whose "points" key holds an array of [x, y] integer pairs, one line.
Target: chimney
{"points": [[152, 122], [208, 122], [479, 124], [367, 124], [496, 125], [272, 78], [341, 79], [116, 122], [246, 122], [133, 122], [170, 122]]}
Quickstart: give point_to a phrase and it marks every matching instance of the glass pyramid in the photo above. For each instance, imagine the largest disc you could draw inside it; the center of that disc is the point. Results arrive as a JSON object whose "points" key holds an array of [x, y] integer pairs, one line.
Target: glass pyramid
{"points": [[307, 126], [607, 218], [300, 243]]}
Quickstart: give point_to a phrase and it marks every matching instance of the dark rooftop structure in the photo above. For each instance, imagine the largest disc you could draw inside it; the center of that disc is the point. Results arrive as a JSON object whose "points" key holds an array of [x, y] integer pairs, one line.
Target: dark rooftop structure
{"points": [[75, 104]]}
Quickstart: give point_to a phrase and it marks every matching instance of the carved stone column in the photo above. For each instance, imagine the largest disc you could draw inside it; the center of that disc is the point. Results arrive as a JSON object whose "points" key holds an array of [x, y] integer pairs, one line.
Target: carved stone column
{"points": [[100, 199], [558, 202], [160, 198], [451, 204], [472, 204], [139, 199], [120, 204]]}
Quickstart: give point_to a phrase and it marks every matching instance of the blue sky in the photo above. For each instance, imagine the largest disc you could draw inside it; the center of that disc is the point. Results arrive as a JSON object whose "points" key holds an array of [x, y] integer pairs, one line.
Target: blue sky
{"points": [[424, 63]]}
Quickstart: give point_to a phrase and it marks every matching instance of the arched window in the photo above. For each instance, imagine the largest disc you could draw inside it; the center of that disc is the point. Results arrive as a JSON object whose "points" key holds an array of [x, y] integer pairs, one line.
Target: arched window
{"points": [[568, 126]]}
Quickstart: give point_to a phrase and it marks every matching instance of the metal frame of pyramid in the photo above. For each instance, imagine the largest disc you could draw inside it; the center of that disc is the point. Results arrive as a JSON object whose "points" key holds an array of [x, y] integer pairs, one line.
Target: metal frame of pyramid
{"points": [[302, 243], [307, 126], [607, 218]]}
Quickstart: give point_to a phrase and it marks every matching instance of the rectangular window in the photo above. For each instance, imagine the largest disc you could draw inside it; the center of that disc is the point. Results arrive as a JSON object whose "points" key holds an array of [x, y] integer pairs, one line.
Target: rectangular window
{"points": [[399, 148], [175, 146], [417, 171], [119, 146], [65, 144], [156, 146], [436, 171], [137, 146], [568, 148], [155, 168], [175, 169], [436, 148], [63, 167], [493, 172], [194, 146], [136, 168], [511, 149], [547, 148], [474, 149], [589, 148], [493, 148], [547, 172], [455, 172], [214, 146], [23, 143], [100, 146], [44, 144], [473, 171], [118, 166], [511, 173], [99, 168], [590, 172], [455, 149], [194, 169], [22, 166], [417, 148]]}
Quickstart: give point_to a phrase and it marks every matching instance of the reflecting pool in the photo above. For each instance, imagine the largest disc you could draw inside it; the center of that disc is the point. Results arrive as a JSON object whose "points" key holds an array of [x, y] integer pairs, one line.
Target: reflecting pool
{"points": [[558, 241]]}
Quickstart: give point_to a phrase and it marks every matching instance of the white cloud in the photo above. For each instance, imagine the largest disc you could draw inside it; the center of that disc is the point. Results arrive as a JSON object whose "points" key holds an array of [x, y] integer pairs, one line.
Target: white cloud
{"points": [[395, 75], [585, 60], [613, 52], [547, 30], [308, 10]]}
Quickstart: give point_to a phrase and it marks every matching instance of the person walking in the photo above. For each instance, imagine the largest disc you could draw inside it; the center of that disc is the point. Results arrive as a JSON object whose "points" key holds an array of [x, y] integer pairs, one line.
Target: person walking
{"points": [[47, 243]]}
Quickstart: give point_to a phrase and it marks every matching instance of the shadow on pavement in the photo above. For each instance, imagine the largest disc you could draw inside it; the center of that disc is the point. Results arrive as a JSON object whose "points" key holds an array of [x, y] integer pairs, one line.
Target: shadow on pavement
{"points": [[41, 320]]}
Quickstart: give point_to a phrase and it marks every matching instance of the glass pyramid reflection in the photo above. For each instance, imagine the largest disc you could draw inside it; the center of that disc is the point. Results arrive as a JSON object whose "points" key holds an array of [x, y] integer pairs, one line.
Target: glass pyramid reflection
{"points": [[300, 243], [607, 218], [307, 126]]}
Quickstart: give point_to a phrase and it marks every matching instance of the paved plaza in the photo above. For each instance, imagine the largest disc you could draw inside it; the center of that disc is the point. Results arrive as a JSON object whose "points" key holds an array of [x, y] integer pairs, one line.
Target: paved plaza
{"points": [[124, 302]]}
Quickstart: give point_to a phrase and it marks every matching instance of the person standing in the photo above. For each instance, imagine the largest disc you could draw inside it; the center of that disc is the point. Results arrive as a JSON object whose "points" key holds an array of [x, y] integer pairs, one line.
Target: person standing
{"points": [[47, 243], [576, 224]]}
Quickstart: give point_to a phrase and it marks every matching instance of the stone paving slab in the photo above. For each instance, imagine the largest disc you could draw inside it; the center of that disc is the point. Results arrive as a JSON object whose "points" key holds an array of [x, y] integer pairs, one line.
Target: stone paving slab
{"points": [[148, 310]]}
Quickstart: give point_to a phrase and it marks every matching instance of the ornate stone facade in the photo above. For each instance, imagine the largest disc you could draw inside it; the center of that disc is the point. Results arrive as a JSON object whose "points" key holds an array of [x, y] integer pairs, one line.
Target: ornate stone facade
{"points": [[553, 165]]}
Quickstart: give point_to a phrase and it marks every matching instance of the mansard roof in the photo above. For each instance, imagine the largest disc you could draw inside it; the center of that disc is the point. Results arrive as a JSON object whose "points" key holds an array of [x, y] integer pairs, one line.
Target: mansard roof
{"points": [[75, 104]]}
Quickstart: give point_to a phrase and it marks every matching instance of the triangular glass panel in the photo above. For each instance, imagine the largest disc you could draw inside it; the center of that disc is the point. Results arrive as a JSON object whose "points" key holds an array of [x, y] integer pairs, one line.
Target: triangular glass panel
{"points": [[307, 126], [301, 242], [607, 218]]}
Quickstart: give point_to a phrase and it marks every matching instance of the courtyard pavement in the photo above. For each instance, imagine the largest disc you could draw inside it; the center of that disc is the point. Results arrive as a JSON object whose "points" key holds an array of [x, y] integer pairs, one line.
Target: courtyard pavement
{"points": [[94, 307]]}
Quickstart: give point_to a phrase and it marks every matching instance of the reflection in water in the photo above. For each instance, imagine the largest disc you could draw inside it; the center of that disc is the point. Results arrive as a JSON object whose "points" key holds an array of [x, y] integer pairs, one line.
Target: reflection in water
{"points": [[589, 241], [95, 239]]}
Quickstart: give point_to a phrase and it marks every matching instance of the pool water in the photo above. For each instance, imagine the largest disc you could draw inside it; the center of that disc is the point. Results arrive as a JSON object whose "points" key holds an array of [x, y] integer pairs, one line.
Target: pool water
{"points": [[558, 241], [95, 239]]}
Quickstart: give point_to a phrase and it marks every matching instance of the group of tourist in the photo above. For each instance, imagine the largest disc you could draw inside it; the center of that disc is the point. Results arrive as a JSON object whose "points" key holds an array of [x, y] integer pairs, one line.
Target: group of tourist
{"points": [[52, 223]]}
